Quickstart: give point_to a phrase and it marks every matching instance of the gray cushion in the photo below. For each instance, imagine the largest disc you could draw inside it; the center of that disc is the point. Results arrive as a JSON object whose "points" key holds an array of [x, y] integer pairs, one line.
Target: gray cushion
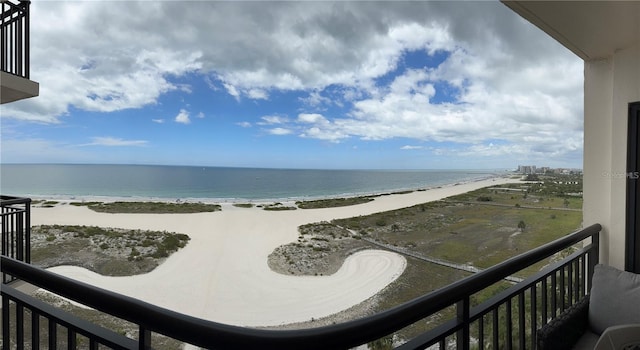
{"points": [[615, 298], [587, 341]]}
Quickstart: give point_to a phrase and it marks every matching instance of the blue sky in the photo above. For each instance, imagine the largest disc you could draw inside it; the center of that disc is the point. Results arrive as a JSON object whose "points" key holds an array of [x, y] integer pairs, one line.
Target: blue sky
{"points": [[402, 85]]}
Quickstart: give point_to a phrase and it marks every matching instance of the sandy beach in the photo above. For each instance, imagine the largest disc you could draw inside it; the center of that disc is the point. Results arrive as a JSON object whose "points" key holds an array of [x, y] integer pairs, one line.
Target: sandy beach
{"points": [[222, 274]]}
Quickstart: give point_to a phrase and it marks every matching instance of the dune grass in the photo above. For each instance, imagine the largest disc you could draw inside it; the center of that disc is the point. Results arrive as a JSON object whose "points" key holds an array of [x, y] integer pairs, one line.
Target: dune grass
{"points": [[333, 202], [149, 207]]}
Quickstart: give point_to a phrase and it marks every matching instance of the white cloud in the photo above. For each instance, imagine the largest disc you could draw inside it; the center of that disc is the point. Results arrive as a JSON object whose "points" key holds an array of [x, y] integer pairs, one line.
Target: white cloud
{"points": [[279, 131], [311, 118], [183, 117], [511, 82], [158, 121], [244, 124], [200, 115], [273, 119], [315, 99], [257, 94], [115, 142], [409, 147]]}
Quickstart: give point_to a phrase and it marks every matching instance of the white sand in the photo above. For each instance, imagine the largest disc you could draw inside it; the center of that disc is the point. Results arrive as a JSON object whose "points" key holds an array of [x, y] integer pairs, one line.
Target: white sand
{"points": [[222, 274]]}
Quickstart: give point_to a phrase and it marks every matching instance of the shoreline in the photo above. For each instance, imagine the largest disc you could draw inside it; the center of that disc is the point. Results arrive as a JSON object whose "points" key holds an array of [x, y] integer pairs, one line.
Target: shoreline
{"points": [[65, 199], [224, 268]]}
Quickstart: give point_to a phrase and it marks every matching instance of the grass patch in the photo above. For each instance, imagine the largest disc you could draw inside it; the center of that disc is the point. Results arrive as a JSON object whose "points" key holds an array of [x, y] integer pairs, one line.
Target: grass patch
{"points": [[149, 207], [243, 205], [107, 251], [333, 202], [481, 228], [277, 207]]}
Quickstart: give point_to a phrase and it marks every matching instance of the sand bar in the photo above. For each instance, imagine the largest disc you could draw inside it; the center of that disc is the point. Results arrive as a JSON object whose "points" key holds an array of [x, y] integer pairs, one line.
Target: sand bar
{"points": [[222, 274]]}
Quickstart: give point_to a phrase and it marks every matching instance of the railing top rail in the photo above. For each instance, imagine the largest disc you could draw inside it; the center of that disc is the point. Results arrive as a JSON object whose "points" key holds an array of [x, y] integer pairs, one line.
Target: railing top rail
{"points": [[10, 200], [345, 335]]}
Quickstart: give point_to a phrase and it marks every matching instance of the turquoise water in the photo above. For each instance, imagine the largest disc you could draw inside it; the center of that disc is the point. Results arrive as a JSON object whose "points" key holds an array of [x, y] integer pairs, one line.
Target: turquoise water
{"points": [[217, 183]]}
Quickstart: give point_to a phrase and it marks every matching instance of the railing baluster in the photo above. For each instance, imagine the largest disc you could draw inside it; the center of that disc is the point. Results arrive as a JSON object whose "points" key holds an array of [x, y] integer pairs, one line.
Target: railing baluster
{"points": [[71, 339], [19, 238], [554, 295], [481, 332], [509, 325], [144, 339], [6, 323], [521, 323], [534, 315], [19, 326], [585, 275], [53, 334], [462, 336], [578, 277], [562, 289], [12, 239], [27, 214], [569, 284], [544, 300], [496, 329], [35, 330]]}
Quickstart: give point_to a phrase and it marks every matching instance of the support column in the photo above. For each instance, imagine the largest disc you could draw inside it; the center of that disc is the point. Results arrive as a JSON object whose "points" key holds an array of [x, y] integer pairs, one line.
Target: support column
{"points": [[610, 85]]}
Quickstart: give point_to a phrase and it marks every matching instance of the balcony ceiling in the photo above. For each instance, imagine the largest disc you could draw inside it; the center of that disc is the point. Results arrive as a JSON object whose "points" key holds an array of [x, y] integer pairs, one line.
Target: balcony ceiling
{"points": [[591, 29]]}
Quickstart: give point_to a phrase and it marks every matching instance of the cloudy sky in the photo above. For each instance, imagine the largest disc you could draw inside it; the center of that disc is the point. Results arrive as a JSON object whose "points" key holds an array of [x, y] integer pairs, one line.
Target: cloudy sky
{"points": [[403, 85]]}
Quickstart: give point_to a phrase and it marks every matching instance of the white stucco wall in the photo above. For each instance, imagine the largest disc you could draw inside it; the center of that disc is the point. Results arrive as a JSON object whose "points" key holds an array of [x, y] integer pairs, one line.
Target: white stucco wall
{"points": [[610, 85]]}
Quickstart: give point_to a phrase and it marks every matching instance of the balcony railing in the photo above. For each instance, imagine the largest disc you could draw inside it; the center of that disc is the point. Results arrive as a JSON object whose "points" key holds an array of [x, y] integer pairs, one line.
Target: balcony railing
{"points": [[15, 228], [506, 320], [14, 37]]}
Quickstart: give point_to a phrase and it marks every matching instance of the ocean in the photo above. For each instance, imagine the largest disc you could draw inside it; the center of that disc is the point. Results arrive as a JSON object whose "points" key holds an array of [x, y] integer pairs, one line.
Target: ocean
{"points": [[214, 183]]}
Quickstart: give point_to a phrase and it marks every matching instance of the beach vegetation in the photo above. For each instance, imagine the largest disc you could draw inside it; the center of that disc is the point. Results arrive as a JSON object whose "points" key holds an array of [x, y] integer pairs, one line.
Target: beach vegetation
{"points": [[458, 229], [107, 251], [333, 202], [385, 343], [403, 192], [84, 204], [522, 225], [243, 205], [149, 207], [278, 207]]}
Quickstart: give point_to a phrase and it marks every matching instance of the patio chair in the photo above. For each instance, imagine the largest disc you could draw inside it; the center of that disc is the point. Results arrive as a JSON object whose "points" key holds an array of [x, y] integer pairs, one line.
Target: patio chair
{"points": [[614, 300]]}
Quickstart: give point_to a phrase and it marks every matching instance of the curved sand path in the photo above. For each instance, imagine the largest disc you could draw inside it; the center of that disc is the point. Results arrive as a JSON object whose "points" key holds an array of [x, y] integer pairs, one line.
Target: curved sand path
{"points": [[222, 274]]}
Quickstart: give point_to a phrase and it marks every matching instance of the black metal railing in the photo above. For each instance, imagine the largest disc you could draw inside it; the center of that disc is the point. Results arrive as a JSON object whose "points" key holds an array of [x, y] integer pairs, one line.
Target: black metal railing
{"points": [[14, 37], [507, 320], [15, 229]]}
